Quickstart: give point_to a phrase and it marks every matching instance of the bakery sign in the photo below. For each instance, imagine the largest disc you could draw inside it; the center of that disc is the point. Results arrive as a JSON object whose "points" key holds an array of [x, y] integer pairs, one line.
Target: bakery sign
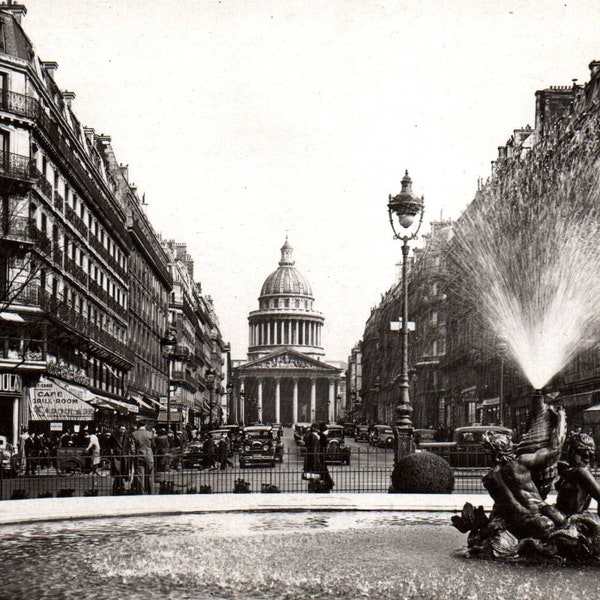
{"points": [[52, 401]]}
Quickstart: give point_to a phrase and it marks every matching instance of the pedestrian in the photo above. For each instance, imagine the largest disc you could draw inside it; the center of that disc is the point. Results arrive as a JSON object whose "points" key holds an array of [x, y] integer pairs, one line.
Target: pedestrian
{"points": [[312, 455], [327, 481], [223, 451], [30, 454], [144, 459], [163, 447], [209, 451], [93, 450], [121, 447]]}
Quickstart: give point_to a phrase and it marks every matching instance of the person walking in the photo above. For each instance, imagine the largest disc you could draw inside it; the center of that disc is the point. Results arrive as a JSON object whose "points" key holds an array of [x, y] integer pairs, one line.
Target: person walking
{"points": [[163, 447], [223, 451], [121, 447], [326, 480], [144, 460], [31, 450], [93, 449]]}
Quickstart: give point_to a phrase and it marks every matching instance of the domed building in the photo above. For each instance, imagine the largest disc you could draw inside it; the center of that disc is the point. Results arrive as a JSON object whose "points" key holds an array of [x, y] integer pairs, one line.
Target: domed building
{"points": [[284, 379]]}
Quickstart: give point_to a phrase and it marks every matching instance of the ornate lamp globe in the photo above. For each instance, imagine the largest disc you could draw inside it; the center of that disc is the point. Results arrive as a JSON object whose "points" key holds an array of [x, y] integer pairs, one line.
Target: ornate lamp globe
{"points": [[406, 205]]}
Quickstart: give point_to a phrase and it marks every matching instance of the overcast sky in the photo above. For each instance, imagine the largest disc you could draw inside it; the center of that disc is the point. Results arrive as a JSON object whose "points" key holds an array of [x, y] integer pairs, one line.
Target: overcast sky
{"points": [[242, 121]]}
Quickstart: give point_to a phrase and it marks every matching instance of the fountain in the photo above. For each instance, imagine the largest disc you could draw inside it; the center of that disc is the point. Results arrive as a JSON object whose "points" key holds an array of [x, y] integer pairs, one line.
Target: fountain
{"points": [[525, 257]]}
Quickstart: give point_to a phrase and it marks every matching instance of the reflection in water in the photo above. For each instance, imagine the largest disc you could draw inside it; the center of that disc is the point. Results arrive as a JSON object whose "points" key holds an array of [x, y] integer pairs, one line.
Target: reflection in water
{"points": [[260, 555]]}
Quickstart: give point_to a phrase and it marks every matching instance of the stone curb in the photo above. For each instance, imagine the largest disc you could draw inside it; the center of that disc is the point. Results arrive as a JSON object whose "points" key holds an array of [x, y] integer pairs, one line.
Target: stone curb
{"points": [[59, 509]]}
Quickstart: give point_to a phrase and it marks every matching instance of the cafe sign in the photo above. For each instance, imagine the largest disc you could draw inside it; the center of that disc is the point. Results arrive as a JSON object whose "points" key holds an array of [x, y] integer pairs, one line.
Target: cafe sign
{"points": [[51, 401]]}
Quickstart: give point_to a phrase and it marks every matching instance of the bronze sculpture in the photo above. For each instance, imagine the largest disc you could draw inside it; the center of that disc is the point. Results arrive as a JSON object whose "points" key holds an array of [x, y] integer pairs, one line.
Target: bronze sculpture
{"points": [[522, 524]]}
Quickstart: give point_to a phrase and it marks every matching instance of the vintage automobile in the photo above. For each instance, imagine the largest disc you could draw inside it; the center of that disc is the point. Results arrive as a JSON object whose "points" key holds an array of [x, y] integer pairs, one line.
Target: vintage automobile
{"points": [[278, 441], [9, 458], [424, 436], [235, 435], [218, 434], [337, 451], [300, 430], [382, 436], [349, 429], [192, 456], [465, 450], [361, 433], [258, 446]]}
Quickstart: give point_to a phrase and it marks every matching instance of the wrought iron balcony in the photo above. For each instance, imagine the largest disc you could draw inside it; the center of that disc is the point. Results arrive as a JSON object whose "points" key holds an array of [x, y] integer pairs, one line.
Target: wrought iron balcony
{"points": [[19, 104], [17, 168]]}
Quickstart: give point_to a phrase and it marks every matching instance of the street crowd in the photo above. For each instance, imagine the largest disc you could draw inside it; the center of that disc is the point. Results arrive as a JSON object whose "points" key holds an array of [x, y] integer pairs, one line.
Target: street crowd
{"points": [[134, 455]]}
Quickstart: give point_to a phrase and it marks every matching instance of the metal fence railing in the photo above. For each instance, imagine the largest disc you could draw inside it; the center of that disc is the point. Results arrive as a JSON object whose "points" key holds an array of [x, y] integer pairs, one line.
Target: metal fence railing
{"points": [[68, 472]]}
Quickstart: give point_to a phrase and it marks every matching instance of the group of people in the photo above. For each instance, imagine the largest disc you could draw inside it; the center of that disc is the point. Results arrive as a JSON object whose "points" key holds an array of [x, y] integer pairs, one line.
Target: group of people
{"points": [[315, 463]]}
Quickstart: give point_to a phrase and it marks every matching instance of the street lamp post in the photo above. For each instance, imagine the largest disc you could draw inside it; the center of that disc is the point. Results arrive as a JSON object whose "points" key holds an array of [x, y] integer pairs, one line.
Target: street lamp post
{"points": [[210, 384], [406, 206], [169, 343], [501, 347]]}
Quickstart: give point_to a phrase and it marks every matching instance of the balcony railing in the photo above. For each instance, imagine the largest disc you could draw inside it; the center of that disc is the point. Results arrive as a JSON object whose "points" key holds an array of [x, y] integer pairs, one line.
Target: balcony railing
{"points": [[58, 201], [19, 104], [76, 271], [76, 220], [17, 167]]}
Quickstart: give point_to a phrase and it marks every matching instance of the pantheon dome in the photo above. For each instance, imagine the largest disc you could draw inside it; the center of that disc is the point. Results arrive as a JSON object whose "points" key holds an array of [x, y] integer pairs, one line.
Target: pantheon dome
{"points": [[285, 317]]}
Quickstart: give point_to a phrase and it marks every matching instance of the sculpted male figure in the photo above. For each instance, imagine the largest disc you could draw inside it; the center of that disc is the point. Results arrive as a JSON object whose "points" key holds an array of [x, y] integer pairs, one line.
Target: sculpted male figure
{"points": [[517, 500], [576, 485]]}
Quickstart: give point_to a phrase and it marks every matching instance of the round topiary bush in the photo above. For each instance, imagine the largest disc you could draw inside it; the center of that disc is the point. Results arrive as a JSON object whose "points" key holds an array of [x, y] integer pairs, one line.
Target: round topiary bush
{"points": [[422, 473]]}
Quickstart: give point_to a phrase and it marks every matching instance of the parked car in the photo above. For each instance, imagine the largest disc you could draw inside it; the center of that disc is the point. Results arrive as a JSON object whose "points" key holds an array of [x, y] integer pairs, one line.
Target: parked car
{"points": [[424, 436], [300, 430], [235, 435], [193, 455], [9, 458], [349, 429], [338, 452], [217, 435], [361, 433], [382, 436], [465, 449], [278, 441], [258, 446]]}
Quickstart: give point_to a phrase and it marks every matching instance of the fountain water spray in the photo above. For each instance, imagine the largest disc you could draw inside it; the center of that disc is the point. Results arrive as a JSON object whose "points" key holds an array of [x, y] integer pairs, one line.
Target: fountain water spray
{"points": [[526, 254]]}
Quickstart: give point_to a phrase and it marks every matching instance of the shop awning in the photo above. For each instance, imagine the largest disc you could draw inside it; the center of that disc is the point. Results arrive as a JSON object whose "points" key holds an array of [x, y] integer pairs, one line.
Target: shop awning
{"points": [[110, 404], [11, 316]]}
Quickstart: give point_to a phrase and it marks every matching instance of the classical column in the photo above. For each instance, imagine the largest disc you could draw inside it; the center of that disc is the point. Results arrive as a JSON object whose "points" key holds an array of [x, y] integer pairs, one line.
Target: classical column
{"points": [[313, 399], [295, 401], [277, 400], [260, 400], [331, 403], [289, 328]]}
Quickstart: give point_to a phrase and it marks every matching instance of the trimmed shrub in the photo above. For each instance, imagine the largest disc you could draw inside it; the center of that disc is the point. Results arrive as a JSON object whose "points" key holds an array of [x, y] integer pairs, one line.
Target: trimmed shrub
{"points": [[168, 487], [91, 492], [422, 473], [65, 493], [19, 495], [45, 495], [191, 490], [205, 489], [241, 487], [269, 488]]}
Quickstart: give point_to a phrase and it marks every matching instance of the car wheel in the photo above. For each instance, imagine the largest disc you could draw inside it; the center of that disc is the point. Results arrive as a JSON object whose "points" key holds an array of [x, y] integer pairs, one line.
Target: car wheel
{"points": [[272, 464], [242, 465]]}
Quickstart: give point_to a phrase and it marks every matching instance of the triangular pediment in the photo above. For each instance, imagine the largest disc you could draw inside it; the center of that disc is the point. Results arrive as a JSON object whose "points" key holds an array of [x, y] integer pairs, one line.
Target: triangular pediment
{"points": [[287, 359]]}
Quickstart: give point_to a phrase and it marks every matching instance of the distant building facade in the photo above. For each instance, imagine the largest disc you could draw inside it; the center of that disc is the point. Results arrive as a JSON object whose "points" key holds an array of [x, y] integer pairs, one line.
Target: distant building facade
{"points": [[284, 379], [84, 281]]}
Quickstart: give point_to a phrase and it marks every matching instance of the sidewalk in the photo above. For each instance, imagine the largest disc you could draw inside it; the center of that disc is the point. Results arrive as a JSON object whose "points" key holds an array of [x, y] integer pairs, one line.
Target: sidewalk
{"points": [[58, 509]]}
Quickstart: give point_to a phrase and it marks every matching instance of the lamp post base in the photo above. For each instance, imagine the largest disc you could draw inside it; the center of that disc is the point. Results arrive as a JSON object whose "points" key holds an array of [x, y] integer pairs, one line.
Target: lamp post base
{"points": [[403, 432]]}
